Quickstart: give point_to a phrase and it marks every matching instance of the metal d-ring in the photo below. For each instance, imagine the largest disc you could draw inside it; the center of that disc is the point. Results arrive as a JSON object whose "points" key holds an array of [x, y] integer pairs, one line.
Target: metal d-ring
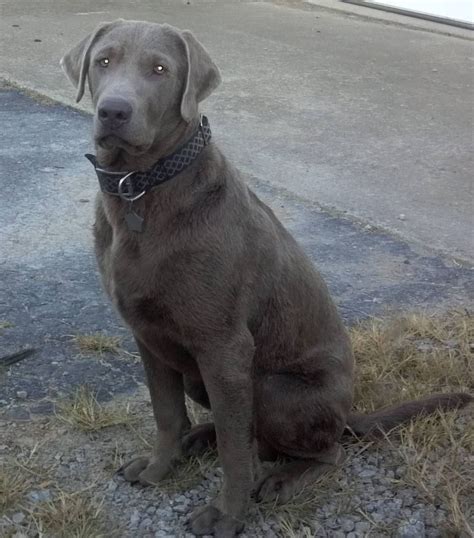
{"points": [[201, 128], [128, 197]]}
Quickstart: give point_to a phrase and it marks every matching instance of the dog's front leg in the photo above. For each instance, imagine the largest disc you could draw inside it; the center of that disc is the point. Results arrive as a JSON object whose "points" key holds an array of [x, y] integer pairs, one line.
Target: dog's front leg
{"points": [[167, 398], [226, 371]]}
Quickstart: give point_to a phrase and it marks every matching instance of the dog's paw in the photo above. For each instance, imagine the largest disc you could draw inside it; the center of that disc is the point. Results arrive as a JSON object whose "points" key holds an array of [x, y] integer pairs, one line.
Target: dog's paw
{"points": [[132, 469], [276, 487], [144, 471], [199, 439], [210, 520]]}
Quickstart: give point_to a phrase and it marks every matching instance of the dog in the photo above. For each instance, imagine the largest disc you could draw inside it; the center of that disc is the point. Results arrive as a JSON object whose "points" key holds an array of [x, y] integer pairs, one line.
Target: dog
{"points": [[223, 303]]}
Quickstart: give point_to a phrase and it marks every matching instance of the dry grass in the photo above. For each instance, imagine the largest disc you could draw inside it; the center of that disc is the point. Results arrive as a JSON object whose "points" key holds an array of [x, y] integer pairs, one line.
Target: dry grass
{"points": [[412, 355], [18, 475], [437, 451], [84, 412], [408, 357], [70, 515], [117, 460], [298, 513], [13, 485], [67, 515], [97, 343], [189, 473]]}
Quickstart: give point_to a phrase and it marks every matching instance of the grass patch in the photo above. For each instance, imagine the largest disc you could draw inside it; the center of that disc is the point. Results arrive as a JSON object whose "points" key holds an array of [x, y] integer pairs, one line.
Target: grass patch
{"points": [[411, 356], [437, 452], [71, 515], [65, 516], [84, 412], [4, 324], [189, 472], [116, 461], [97, 343], [13, 485], [298, 511], [19, 475], [408, 357]]}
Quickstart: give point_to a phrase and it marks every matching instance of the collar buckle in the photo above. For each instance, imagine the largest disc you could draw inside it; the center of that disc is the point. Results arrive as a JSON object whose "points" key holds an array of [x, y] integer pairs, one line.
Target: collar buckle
{"points": [[125, 189]]}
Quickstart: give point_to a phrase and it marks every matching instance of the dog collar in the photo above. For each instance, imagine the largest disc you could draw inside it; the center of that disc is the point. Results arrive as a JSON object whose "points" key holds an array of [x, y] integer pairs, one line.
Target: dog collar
{"points": [[131, 186]]}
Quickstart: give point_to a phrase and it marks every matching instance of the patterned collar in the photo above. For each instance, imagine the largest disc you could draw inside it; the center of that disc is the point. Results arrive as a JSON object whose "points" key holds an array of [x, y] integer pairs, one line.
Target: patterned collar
{"points": [[133, 185]]}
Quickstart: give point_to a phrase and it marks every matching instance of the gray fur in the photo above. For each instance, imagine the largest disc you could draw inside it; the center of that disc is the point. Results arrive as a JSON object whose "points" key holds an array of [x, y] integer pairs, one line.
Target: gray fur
{"points": [[223, 303]]}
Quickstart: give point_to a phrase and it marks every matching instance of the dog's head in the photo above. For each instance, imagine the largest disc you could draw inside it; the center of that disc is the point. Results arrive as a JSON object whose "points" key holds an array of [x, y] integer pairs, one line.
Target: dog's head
{"points": [[144, 78]]}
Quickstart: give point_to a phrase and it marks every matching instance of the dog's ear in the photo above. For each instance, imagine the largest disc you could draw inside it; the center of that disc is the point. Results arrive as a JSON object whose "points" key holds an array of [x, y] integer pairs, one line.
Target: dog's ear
{"points": [[75, 63], [202, 78]]}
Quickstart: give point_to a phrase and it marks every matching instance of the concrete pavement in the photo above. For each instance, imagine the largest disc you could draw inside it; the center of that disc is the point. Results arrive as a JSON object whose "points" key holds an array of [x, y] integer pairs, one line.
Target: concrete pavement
{"points": [[49, 283], [371, 119]]}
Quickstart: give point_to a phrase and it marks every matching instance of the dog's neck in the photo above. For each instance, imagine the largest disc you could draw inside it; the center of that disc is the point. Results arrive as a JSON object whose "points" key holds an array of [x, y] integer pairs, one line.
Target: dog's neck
{"points": [[117, 159], [167, 200]]}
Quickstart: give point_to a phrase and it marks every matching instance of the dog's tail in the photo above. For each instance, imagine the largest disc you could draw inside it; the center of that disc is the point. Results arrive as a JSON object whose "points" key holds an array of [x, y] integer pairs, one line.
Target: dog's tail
{"points": [[385, 419]]}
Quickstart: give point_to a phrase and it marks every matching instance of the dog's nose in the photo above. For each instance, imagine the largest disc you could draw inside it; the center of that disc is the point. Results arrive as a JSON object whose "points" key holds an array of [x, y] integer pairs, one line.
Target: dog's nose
{"points": [[114, 113]]}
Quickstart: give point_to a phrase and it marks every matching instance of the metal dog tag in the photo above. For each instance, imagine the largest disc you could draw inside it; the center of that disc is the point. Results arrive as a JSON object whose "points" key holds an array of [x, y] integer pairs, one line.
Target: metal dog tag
{"points": [[134, 221], [125, 191]]}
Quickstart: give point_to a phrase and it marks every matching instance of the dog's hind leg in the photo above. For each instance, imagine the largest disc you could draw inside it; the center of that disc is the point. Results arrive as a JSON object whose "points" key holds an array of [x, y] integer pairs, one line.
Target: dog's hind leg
{"points": [[282, 483], [202, 437], [301, 416], [199, 439]]}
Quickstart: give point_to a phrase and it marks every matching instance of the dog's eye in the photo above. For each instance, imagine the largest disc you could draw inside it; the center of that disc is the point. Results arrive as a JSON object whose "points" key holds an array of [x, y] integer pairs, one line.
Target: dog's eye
{"points": [[104, 62], [159, 69]]}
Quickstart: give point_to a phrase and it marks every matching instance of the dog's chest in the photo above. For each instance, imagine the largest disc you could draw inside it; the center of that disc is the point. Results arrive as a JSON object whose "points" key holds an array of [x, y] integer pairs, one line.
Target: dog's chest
{"points": [[164, 282], [142, 280], [149, 303]]}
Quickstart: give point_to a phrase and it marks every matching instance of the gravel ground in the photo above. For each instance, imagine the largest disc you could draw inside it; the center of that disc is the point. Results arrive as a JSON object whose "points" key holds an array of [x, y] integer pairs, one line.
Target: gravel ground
{"points": [[368, 496]]}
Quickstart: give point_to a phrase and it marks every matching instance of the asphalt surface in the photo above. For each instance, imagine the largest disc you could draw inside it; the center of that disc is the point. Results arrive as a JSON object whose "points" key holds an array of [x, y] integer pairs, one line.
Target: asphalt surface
{"points": [[49, 287], [366, 116]]}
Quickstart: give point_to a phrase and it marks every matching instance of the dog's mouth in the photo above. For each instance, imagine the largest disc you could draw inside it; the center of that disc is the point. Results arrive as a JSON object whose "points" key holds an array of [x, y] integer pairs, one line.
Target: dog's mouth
{"points": [[111, 142]]}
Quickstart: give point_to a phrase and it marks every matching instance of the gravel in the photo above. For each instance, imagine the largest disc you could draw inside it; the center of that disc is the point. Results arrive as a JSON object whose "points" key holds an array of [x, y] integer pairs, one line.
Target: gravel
{"points": [[18, 518], [376, 508], [147, 512], [367, 497]]}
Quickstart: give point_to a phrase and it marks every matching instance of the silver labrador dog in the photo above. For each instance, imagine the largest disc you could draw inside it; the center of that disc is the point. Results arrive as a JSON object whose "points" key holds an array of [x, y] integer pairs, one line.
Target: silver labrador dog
{"points": [[223, 303]]}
